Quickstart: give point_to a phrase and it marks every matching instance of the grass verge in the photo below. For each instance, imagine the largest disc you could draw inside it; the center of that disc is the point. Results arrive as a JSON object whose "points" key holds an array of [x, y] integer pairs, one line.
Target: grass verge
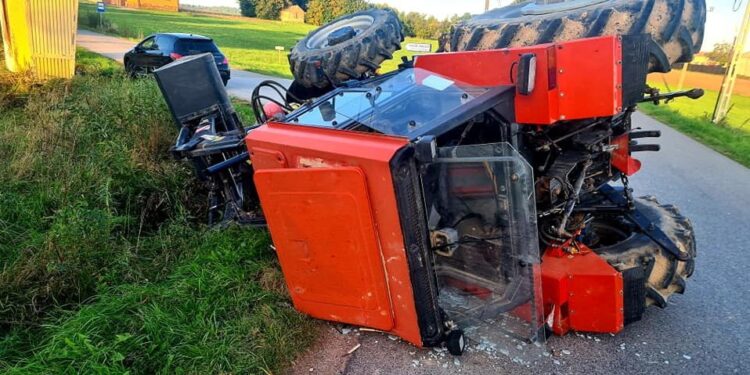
{"points": [[249, 43], [103, 265], [693, 117], [732, 142]]}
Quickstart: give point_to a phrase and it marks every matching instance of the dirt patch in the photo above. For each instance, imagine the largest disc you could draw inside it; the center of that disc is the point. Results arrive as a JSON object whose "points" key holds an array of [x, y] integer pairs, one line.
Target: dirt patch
{"points": [[329, 354], [571, 30]]}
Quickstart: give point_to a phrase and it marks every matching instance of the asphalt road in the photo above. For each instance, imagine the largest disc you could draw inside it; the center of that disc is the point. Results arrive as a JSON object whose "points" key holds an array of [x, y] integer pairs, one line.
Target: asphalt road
{"points": [[704, 331], [241, 85]]}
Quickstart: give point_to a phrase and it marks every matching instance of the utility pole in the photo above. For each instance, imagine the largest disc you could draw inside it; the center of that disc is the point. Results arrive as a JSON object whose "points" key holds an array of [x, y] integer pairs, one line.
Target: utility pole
{"points": [[727, 86]]}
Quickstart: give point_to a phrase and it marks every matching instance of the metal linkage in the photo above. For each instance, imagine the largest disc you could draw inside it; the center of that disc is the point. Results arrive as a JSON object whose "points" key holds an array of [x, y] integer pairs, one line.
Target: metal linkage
{"points": [[625, 199]]}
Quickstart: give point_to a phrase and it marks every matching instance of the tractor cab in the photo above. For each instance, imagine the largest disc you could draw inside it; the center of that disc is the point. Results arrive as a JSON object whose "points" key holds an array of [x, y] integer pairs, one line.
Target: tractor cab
{"points": [[411, 103], [371, 189]]}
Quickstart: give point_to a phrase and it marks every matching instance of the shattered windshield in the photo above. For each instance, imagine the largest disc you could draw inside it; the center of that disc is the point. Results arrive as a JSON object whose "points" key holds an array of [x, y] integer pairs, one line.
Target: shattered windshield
{"points": [[400, 105]]}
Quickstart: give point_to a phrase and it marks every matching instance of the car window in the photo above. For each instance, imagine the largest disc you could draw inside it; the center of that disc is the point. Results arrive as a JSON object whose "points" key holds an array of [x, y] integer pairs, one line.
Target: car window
{"points": [[149, 44], [162, 43], [195, 46]]}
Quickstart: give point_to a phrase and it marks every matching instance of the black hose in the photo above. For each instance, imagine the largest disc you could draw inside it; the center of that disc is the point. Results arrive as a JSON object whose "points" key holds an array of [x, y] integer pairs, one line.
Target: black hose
{"points": [[257, 99]]}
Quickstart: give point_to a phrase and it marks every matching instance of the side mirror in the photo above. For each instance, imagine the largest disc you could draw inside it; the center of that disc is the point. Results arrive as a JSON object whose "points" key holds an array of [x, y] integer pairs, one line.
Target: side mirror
{"points": [[526, 74], [138, 49]]}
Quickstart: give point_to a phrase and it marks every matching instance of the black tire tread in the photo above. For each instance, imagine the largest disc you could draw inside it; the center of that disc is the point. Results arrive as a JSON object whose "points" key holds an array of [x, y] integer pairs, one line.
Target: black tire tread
{"points": [[321, 68], [669, 274], [676, 26]]}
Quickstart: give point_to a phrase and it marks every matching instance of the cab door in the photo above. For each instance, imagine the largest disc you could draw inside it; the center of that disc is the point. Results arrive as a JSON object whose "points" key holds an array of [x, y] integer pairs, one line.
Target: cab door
{"points": [[322, 225]]}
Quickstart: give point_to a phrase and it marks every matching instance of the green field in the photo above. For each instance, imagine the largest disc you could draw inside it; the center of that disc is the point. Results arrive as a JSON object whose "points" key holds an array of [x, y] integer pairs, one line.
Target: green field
{"points": [[105, 267], [693, 117], [249, 43]]}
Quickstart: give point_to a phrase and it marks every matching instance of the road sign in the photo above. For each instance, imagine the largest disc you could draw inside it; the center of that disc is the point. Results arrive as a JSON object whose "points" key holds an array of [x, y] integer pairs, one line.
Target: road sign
{"points": [[419, 47], [280, 49], [100, 7]]}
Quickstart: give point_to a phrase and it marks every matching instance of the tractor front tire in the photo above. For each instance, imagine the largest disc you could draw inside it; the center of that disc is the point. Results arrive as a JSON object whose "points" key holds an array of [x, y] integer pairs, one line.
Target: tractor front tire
{"points": [[627, 250], [350, 47], [676, 26]]}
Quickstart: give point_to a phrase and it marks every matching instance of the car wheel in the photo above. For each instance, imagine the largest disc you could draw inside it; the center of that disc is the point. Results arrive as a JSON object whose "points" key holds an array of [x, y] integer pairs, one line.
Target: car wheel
{"points": [[226, 81], [130, 69]]}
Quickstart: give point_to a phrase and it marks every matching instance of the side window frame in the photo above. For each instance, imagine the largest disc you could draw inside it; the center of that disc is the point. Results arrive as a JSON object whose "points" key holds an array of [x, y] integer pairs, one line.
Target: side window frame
{"points": [[148, 44]]}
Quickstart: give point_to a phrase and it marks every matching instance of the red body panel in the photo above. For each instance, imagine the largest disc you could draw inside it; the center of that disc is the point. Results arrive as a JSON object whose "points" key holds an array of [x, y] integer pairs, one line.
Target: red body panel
{"points": [[621, 158], [575, 80], [288, 149], [309, 213], [582, 292]]}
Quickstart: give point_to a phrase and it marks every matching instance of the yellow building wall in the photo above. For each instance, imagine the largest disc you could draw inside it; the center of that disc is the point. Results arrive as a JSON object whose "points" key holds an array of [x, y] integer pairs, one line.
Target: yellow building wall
{"points": [[15, 35], [166, 5], [40, 35], [293, 14]]}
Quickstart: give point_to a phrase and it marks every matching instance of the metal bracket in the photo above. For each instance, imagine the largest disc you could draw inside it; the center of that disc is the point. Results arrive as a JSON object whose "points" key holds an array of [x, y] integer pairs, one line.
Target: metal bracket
{"points": [[617, 196]]}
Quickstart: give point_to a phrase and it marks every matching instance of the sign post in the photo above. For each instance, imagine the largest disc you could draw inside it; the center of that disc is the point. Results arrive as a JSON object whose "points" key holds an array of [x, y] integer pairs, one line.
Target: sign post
{"points": [[101, 8], [419, 47], [280, 49]]}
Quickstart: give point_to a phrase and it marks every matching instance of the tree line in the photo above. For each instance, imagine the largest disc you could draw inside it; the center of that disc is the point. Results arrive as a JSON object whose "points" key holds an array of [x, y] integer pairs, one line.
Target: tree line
{"points": [[319, 12]]}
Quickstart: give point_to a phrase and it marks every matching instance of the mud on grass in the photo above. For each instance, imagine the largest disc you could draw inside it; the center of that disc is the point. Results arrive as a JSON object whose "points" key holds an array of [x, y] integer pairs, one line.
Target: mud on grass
{"points": [[104, 266]]}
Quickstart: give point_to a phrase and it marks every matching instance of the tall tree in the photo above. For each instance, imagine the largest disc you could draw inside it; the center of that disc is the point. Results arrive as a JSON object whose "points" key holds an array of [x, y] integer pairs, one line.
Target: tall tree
{"points": [[302, 3], [721, 54], [317, 12], [247, 8], [270, 9], [322, 11]]}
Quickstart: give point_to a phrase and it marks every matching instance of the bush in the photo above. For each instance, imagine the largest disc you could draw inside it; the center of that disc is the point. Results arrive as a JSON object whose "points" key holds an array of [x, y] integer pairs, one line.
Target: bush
{"points": [[88, 175], [88, 19], [247, 8], [270, 9]]}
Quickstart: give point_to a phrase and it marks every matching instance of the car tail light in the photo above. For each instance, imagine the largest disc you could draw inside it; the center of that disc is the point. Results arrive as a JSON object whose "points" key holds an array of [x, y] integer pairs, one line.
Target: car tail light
{"points": [[175, 56], [226, 61]]}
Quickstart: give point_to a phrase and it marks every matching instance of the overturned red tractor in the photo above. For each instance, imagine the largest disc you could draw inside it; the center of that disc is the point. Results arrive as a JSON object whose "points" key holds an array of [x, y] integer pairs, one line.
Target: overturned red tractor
{"points": [[465, 187]]}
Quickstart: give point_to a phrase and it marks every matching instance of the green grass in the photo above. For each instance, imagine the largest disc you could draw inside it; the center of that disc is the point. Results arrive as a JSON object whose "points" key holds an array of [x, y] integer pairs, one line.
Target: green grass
{"points": [[104, 265], [703, 108], [393, 64], [693, 117], [249, 43]]}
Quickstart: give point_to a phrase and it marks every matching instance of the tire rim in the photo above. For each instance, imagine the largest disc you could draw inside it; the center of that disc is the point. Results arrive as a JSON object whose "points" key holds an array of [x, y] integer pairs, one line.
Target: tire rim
{"points": [[320, 38], [609, 235]]}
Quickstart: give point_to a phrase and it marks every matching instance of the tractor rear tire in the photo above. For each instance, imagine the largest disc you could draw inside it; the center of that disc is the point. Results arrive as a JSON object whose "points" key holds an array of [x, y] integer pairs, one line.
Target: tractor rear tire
{"points": [[330, 55], [627, 249], [676, 27]]}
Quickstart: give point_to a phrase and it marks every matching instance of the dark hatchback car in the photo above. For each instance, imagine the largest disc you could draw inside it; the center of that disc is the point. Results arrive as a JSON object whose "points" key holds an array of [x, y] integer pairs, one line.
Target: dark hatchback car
{"points": [[161, 49]]}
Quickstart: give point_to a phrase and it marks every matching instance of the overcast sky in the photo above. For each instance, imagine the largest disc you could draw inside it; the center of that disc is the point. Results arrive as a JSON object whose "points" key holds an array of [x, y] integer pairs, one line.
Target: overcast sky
{"points": [[722, 26]]}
